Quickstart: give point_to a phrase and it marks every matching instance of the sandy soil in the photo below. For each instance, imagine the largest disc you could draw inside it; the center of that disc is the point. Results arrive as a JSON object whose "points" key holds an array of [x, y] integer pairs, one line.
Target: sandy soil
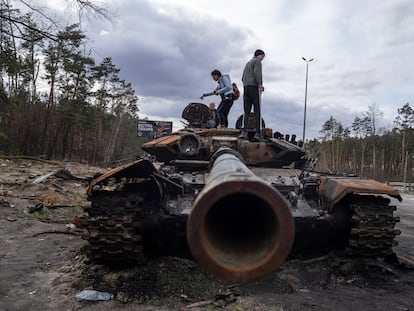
{"points": [[42, 265]]}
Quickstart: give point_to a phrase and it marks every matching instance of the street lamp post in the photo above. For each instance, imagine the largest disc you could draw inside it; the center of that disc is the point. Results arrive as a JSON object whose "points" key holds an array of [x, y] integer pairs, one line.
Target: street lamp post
{"points": [[306, 96]]}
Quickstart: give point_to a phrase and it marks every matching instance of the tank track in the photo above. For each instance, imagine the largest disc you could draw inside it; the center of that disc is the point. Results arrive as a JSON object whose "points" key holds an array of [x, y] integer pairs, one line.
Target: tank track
{"points": [[115, 222], [372, 226]]}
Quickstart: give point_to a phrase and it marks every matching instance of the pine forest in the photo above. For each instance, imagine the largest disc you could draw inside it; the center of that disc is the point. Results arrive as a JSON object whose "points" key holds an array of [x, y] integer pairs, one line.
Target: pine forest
{"points": [[56, 102]]}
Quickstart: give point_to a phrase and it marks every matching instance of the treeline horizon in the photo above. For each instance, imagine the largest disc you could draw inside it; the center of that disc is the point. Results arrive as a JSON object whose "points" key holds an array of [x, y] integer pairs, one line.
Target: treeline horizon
{"points": [[365, 150], [58, 102]]}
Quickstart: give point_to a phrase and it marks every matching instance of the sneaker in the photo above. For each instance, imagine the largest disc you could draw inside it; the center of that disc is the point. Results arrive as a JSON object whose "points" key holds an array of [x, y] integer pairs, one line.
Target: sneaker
{"points": [[257, 138], [243, 135]]}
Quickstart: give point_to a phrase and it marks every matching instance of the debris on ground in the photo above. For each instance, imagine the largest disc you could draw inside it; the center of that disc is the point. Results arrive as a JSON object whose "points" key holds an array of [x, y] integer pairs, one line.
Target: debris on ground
{"points": [[38, 207], [43, 265], [93, 295]]}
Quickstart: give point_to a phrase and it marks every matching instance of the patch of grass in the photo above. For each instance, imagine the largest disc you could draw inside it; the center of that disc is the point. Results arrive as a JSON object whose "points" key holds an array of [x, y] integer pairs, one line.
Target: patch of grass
{"points": [[8, 213], [71, 212], [43, 213]]}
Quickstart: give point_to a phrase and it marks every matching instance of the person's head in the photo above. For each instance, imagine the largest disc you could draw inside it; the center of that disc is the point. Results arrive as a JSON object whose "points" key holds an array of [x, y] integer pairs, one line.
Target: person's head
{"points": [[216, 74], [260, 54], [212, 106]]}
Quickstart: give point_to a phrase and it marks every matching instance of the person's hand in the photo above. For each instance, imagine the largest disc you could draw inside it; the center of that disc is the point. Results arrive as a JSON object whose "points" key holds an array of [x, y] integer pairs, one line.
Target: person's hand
{"points": [[261, 88]]}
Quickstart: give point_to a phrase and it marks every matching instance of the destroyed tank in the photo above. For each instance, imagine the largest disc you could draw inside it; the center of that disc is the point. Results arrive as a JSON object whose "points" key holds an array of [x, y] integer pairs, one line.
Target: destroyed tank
{"points": [[237, 207]]}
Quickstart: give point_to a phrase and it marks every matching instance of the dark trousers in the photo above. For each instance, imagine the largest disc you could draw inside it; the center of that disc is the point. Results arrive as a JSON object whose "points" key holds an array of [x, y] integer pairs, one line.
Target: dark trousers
{"points": [[223, 110], [251, 99]]}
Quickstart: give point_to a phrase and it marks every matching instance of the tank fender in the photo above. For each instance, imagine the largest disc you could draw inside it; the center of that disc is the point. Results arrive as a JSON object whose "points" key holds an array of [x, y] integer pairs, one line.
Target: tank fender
{"points": [[334, 189], [141, 168]]}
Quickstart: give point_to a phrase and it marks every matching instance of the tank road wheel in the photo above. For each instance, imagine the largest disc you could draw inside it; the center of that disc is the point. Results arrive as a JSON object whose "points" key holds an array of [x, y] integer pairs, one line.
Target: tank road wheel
{"points": [[372, 226], [115, 222]]}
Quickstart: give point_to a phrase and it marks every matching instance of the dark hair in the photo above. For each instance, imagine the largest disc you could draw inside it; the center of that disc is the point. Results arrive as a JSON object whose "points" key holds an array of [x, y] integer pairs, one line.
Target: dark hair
{"points": [[258, 52], [216, 72]]}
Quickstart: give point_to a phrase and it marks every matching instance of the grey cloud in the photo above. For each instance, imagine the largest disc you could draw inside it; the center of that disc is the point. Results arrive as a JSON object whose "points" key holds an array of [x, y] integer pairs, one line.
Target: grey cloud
{"points": [[170, 55], [167, 52]]}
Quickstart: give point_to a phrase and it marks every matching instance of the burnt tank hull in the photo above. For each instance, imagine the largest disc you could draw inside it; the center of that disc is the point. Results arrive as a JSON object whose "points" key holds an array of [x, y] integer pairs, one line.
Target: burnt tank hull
{"points": [[239, 208]]}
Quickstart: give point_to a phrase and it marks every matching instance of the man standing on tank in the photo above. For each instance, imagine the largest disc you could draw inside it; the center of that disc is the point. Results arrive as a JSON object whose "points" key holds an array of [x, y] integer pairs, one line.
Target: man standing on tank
{"points": [[225, 90], [252, 86]]}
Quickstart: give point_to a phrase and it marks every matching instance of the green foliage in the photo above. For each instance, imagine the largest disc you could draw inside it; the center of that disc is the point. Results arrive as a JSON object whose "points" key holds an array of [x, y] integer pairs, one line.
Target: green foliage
{"points": [[87, 113], [366, 154], [362, 126], [405, 118], [333, 128]]}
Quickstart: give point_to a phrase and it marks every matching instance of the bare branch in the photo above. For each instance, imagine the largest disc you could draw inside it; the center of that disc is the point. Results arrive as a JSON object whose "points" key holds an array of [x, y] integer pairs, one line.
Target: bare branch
{"points": [[93, 9], [41, 32], [88, 8], [39, 11]]}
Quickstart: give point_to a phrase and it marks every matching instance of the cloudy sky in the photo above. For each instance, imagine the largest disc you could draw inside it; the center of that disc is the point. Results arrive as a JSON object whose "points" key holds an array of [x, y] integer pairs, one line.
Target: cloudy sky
{"points": [[362, 50]]}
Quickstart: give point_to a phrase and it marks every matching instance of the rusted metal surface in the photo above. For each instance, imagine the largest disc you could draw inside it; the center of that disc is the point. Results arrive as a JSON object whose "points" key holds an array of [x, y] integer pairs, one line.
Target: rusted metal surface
{"points": [[215, 131], [240, 228], [138, 169], [117, 221], [197, 115], [336, 188], [372, 226], [275, 154], [256, 152], [163, 146]]}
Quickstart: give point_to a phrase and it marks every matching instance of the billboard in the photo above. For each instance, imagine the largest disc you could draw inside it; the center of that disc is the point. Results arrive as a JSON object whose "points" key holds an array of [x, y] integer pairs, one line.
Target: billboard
{"points": [[153, 129]]}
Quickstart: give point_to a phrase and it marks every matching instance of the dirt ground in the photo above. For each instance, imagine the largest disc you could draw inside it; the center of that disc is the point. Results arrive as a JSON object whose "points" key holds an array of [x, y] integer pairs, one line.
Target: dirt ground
{"points": [[43, 267]]}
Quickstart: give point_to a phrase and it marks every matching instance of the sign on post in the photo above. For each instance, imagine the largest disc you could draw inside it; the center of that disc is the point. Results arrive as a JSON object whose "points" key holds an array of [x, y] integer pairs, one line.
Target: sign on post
{"points": [[153, 129]]}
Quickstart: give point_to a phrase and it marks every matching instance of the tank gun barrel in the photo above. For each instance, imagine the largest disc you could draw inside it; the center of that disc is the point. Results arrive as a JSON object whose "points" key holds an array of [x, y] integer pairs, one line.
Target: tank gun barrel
{"points": [[240, 228]]}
